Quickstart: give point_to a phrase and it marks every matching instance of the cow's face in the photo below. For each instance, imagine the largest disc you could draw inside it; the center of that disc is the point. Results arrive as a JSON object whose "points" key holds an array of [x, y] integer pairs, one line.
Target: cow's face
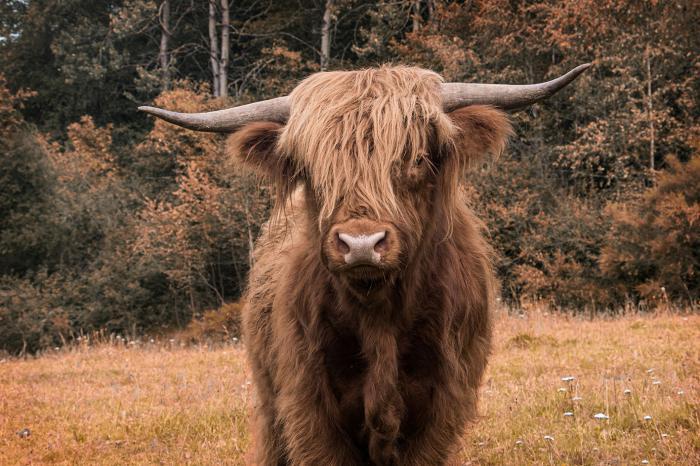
{"points": [[373, 229], [380, 161]]}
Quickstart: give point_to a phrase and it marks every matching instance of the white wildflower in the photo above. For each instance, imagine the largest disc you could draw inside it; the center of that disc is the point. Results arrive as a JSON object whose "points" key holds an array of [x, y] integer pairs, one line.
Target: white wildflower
{"points": [[562, 390], [549, 437], [568, 378], [627, 391], [601, 416], [568, 414], [576, 398], [647, 418]]}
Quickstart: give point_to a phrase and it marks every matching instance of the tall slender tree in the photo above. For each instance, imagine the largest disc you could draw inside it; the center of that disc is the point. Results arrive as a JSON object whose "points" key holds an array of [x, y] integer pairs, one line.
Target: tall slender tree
{"points": [[165, 34], [225, 48], [219, 52], [213, 48], [650, 108], [326, 35]]}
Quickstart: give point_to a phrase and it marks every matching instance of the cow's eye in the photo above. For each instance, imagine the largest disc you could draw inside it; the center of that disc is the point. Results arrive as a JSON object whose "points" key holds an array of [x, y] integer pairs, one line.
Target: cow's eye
{"points": [[417, 171]]}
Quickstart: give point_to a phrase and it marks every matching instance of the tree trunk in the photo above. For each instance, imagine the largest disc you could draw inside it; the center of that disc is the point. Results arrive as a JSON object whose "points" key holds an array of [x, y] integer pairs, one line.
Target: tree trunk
{"points": [[650, 113], [225, 49], [415, 10], [163, 54], [213, 48], [251, 241], [326, 35]]}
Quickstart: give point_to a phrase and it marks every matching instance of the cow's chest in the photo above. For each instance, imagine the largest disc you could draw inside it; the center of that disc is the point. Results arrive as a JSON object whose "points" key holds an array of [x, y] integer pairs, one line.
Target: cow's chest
{"points": [[348, 375]]}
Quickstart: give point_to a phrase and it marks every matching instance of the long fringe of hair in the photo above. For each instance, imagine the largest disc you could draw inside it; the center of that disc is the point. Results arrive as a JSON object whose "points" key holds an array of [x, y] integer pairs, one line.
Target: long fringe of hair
{"points": [[352, 130]]}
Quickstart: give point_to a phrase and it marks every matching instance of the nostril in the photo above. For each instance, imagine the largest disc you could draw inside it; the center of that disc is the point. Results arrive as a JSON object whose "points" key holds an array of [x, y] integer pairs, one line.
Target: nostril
{"points": [[360, 248], [382, 245], [341, 245]]}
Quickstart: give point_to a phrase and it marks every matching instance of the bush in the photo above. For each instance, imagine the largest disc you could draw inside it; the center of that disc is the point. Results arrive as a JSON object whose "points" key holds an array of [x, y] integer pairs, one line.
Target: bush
{"points": [[558, 261], [547, 241], [218, 325], [37, 312], [652, 250], [26, 187]]}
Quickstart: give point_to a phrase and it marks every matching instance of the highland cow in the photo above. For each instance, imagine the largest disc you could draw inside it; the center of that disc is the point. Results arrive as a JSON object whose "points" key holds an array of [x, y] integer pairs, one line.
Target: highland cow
{"points": [[367, 315]]}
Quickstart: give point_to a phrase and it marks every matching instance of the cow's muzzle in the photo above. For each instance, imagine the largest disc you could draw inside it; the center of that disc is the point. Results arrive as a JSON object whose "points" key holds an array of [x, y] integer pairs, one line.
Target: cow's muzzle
{"points": [[363, 248]]}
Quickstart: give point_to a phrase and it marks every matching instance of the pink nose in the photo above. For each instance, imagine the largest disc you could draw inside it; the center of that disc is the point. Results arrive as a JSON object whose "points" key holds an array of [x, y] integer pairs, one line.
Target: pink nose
{"points": [[362, 248], [362, 242]]}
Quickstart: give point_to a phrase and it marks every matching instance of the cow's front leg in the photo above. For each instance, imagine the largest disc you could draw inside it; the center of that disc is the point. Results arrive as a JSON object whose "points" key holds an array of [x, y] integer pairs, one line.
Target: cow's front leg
{"points": [[451, 406], [309, 413], [267, 437], [436, 441]]}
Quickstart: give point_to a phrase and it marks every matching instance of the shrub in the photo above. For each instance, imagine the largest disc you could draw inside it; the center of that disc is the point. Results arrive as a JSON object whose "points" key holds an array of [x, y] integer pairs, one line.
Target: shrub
{"points": [[216, 325], [26, 187], [37, 312], [547, 241], [653, 247]]}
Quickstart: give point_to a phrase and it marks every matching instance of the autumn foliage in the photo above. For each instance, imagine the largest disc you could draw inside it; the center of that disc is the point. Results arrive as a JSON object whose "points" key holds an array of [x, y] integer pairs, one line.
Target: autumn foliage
{"points": [[126, 256], [653, 247], [110, 220]]}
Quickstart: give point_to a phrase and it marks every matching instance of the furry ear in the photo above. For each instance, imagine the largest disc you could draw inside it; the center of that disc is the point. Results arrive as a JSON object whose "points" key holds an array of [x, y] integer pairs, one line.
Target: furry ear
{"points": [[483, 130], [255, 146]]}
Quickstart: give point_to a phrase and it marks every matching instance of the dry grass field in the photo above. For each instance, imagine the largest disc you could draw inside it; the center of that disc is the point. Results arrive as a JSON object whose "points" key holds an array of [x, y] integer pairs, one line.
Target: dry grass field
{"points": [[160, 403]]}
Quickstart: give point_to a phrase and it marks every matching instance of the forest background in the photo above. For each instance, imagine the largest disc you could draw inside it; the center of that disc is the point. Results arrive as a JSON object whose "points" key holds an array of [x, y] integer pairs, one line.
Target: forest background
{"points": [[112, 221]]}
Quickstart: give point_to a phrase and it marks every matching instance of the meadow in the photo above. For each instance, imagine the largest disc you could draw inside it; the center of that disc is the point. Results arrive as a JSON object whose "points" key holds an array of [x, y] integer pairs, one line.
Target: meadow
{"points": [[559, 390]]}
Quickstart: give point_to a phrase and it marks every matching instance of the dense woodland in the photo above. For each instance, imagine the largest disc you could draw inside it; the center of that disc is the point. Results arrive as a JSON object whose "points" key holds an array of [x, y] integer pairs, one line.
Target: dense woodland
{"points": [[111, 220]]}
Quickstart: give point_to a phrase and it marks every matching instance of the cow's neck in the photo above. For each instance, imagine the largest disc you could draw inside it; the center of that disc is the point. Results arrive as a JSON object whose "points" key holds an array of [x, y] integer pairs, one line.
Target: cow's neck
{"points": [[381, 319], [392, 304]]}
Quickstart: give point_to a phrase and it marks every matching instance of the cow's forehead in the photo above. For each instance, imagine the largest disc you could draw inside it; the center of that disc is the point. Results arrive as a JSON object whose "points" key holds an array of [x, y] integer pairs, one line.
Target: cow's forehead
{"points": [[349, 129]]}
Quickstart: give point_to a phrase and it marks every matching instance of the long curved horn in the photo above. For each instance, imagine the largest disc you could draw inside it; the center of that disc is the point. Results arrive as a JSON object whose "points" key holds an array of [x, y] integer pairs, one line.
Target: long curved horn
{"points": [[504, 96], [227, 120], [454, 96]]}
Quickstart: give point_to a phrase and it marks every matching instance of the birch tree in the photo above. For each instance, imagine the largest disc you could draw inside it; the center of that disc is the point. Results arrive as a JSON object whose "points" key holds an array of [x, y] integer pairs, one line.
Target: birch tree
{"points": [[650, 108], [165, 34], [326, 35], [416, 15], [213, 48], [225, 49], [219, 53]]}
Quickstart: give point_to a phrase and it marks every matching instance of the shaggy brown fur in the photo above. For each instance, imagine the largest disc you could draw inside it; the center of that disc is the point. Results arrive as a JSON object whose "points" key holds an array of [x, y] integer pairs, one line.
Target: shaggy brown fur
{"points": [[351, 371]]}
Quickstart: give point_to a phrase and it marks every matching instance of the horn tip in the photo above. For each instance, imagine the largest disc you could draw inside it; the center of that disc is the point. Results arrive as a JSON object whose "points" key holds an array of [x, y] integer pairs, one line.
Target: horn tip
{"points": [[582, 68], [157, 112]]}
